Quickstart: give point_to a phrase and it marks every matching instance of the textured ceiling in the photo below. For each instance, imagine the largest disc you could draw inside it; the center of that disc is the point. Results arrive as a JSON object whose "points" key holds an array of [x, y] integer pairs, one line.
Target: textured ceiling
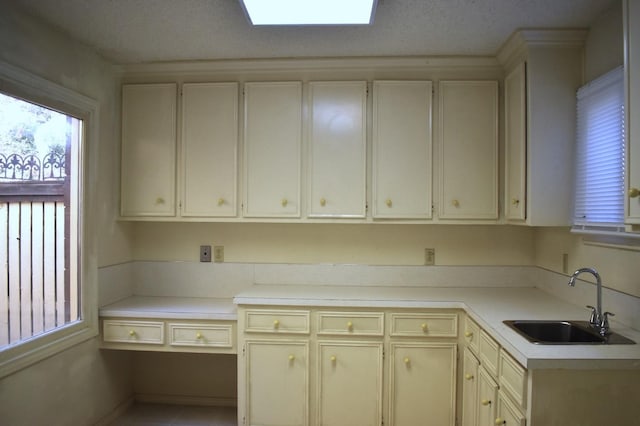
{"points": [[132, 31]]}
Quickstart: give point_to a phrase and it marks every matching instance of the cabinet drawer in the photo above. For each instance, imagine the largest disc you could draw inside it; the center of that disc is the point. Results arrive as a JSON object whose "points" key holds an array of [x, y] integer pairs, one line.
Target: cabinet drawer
{"points": [[507, 414], [277, 321], [427, 325], [471, 334], [201, 335], [351, 323], [136, 332], [489, 353], [513, 378]]}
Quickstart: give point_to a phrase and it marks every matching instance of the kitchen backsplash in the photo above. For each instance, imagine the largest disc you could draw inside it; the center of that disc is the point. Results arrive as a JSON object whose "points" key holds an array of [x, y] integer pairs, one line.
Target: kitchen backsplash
{"points": [[195, 279]]}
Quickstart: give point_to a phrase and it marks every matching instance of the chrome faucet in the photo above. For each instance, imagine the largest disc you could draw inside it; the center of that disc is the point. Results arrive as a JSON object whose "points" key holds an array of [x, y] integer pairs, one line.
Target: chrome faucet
{"points": [[598, 319]]}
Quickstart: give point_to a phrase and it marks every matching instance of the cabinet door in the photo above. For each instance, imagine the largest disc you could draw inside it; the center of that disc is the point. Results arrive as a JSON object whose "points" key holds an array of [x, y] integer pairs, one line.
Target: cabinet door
{"points": [[402, 158], [148, 150], [209, 149], [276, 383], [272, 141], [487, 398], [470, 389], [515, 143], [349, 388], [468, 150], [422, 384], [337, 149], [632, 111], [507, 413]]}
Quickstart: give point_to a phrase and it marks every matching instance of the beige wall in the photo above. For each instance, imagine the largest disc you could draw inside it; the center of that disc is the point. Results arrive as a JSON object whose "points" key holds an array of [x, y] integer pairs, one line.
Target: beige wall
{"points": [[336, 243], [82, 384]]}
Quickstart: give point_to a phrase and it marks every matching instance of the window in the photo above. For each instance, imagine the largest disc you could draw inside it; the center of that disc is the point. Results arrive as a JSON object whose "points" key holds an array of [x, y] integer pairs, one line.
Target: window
{"points": [[600, 155], [38, 171], [47, 293]]}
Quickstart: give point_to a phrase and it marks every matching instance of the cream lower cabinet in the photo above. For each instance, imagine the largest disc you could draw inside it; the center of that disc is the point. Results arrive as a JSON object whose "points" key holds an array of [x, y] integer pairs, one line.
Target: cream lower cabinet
{"points": [[494, 385], [351, 367], [349, 383], [422, 383], [277, 392]]}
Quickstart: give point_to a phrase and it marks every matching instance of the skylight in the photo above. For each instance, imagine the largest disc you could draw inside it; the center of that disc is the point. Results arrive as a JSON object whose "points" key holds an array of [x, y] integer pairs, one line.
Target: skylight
{"points": [[310, 12]]}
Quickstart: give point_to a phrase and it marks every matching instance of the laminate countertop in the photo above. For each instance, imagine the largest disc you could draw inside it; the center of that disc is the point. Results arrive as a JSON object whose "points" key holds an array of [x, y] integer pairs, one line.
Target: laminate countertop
{"points": [[488, 306]]}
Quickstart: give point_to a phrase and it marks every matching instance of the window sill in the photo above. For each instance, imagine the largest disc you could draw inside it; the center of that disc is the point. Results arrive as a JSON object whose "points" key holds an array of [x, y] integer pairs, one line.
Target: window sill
{"points": [[607, 237]]}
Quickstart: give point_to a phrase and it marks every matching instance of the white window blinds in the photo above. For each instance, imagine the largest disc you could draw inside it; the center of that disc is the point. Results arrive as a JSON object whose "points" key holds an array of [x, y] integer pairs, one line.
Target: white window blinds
{"points": [[600, 154]]}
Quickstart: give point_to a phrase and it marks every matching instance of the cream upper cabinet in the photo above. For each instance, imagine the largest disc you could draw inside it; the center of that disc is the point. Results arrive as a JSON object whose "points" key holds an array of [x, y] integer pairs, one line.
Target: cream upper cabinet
{"points": [[632, 110], [272, 149], [349, 383], [402, 151], [544, 71], [422, 383], [148, 150], [337, 149], [515, 146], [209, 149], [468, 150]]}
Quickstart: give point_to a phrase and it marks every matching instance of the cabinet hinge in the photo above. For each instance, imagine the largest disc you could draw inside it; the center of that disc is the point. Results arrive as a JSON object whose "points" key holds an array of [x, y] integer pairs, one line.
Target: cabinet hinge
{"points": [[243, 349], [244, 420]]}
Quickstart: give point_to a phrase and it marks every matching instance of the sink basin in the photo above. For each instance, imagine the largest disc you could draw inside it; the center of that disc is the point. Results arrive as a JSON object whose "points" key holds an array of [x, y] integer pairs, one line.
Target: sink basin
{"points": [[564, 333]]}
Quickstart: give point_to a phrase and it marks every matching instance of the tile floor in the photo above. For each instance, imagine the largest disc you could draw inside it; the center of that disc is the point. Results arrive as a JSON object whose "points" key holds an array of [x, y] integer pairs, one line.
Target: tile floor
{"points": [[144, 414]]}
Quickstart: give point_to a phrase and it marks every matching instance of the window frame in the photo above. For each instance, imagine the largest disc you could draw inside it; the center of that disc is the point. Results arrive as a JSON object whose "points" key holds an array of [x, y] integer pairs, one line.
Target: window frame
{"points": [[22, 84], [605, 233]]}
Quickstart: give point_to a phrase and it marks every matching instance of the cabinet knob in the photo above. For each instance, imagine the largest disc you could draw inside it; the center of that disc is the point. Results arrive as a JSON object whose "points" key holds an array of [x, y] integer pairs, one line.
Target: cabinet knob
{"points": [[500, 421], [284, 202], [407, 360], [468, 334], [349, 325], [515, 201], [159, 200], [198, 335], [389, 203], [634, 192], [132, 333], [468, 376], [455, 203], [323, 202], [333, 358], [292, 357], [220, 201], [423, 326], [276, 324], [485, 402]]}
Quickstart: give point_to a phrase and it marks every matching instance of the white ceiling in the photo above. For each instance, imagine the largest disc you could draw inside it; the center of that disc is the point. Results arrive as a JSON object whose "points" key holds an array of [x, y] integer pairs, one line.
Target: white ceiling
{"points": [[131, 31]]}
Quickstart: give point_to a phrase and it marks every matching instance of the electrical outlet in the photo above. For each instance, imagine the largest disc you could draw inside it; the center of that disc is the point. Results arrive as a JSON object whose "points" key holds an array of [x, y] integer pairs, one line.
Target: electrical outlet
{"points": [[429, 256], [218, 254], [205, 253]]}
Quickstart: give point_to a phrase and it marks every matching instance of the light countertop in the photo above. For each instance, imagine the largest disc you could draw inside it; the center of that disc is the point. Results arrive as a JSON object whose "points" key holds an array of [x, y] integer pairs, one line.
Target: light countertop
{"points": [[197, 308], [487, 306]]}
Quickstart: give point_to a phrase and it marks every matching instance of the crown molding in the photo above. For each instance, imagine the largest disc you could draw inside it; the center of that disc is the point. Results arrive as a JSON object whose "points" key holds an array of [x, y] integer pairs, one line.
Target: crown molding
{"points": [[250, 66], [516, 45]]}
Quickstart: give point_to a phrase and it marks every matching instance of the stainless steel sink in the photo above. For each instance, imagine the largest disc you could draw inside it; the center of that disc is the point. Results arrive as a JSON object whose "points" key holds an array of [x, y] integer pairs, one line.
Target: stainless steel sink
{"points": [[564, 333]]}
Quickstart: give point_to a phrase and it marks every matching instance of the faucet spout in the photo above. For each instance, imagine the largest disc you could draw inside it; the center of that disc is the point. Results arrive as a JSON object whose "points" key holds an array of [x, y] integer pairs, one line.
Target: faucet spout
{"points": [[596, 317]]}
